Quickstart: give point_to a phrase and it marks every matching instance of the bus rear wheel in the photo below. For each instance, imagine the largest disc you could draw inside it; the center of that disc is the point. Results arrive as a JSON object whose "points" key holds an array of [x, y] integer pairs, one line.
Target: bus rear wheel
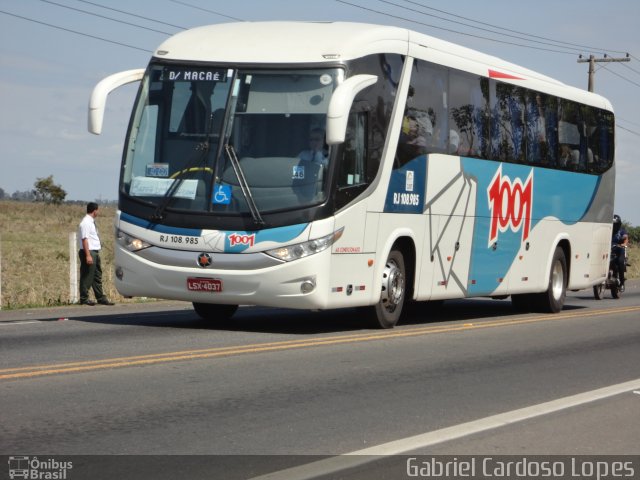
{"points": [[388, 310], [598, 291], [214, 312], [552, 300]]}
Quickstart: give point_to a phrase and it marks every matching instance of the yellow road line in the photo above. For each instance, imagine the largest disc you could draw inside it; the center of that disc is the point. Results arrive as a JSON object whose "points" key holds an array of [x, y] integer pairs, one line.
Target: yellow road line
{"points": [[119, 362]]}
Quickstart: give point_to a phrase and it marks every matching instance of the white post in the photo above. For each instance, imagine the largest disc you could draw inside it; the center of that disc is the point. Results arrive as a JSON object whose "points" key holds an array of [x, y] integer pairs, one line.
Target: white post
{"points": [[73, 267], [0, 272]]}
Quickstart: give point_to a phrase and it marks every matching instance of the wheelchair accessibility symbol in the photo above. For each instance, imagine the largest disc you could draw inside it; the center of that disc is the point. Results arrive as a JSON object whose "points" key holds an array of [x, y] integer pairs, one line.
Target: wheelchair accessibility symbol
{"points": [[222, 195]]}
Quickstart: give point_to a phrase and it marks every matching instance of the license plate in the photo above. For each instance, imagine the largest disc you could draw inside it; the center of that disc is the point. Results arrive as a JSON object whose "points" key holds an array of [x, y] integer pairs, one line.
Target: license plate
{"points": [[213, 285]]}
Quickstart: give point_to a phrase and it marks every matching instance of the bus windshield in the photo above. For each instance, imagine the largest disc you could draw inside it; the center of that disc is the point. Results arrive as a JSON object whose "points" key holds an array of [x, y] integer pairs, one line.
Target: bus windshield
{"points": [[229, 141]]}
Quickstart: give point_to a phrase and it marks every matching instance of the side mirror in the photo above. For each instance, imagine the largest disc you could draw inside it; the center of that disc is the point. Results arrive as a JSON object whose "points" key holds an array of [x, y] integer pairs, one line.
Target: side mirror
{"points": [[340, 104], [98, 98]]}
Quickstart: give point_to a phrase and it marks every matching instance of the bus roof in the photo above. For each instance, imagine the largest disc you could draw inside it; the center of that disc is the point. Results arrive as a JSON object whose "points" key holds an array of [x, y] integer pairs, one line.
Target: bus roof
{"points": [[289, 42]]}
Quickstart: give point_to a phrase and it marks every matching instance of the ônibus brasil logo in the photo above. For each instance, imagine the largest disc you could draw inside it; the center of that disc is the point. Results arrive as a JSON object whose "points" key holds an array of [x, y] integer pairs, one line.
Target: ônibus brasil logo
{"points": [[510, 205]]}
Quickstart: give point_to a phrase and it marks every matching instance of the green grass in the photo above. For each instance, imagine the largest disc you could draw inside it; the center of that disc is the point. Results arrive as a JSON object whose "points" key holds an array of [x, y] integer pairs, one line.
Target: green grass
{"points": [[34, 244]]}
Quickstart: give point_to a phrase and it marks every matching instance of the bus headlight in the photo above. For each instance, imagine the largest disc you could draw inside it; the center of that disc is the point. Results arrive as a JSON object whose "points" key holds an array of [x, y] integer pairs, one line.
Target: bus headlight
{"points": [[301, 250], [132, 244]]}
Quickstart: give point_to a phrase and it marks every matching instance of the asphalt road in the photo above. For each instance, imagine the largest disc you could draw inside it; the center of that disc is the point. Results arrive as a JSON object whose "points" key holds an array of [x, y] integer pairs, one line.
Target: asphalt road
{"points": [[275, 388]]}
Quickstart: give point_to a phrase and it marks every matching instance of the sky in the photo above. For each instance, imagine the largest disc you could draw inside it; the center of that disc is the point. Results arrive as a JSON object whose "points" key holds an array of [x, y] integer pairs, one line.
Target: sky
{"points": [[53, 52]]}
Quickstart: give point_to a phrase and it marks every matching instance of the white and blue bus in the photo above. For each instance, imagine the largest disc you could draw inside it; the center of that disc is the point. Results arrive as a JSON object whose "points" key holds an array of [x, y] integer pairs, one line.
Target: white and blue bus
{"points": [[444, 173]]}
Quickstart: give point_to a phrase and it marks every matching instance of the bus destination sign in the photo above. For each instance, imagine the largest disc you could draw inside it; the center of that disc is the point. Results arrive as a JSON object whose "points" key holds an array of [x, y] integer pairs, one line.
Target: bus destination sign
{"points": [[196, 74]]}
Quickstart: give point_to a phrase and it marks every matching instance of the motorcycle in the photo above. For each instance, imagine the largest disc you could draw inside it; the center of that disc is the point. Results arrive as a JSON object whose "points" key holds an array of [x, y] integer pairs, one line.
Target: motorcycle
{"points": [[612, 282]]}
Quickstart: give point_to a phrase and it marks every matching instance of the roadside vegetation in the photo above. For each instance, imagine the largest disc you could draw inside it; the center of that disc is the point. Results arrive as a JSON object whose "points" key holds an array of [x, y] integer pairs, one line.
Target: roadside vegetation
{"points": [[34, 247], [34, 244]]}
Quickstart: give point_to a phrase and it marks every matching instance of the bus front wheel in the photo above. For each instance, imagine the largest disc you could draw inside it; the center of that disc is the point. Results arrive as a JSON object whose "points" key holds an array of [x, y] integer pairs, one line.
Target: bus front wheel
{"points": [[214, 312], [388, 310]]}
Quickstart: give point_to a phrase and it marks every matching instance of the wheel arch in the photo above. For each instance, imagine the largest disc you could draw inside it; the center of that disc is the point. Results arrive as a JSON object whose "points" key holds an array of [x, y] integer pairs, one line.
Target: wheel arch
{"points": [[408, 248], [564, 243]]}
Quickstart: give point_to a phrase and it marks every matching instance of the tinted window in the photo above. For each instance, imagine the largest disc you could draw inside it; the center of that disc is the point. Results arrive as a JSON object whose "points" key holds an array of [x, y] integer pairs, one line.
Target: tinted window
{"points": [[507, 122], [468, 114], [541, 118], [425, 122]]}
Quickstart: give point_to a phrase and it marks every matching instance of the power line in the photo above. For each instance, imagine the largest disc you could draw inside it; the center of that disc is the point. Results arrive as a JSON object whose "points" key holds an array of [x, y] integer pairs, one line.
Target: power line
{"points": [[453, 31], [519, 36], [591, 60], [105, 17], [205, 10], [132, 14], [628, 121], [476, 21], [620, 76], [629, 68], [627, 130], [75, 32]]}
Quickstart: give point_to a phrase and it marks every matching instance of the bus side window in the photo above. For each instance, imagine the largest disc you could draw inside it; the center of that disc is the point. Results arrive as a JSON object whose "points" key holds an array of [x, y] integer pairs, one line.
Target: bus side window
{"points": [[425, 124], [572, 155], [469, 113], [507, 122], [541, 118], [352, 166], [602, 141]]}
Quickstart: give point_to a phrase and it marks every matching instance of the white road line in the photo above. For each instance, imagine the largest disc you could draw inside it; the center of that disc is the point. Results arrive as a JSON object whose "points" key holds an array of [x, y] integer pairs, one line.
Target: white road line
{"points": [[405, 445], [17, 322]]}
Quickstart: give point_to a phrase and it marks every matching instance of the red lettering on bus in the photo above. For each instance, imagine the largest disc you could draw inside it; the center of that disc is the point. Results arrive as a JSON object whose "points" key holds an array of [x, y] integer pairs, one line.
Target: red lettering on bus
{"points": [[510, 205], [237, 239]]}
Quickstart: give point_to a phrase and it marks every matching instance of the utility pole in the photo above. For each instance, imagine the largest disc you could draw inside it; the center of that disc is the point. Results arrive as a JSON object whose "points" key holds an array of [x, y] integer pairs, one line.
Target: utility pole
{"points": [[592, 64]]}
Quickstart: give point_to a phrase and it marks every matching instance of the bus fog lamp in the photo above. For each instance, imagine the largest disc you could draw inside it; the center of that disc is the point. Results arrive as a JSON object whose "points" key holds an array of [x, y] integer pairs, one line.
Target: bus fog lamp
{"points": [[119, 273], [308, 286]]}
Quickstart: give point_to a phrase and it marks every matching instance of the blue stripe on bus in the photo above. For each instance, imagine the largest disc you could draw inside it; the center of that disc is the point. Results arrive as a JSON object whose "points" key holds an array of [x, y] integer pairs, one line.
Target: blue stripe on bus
{"points": [[549, 200], [277, 235], [280, 235], [156, 227]]}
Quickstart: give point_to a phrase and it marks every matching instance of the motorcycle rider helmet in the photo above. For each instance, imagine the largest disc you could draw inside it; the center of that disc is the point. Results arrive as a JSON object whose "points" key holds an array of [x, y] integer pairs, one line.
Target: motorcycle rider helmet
{"points": [[617, 224]]}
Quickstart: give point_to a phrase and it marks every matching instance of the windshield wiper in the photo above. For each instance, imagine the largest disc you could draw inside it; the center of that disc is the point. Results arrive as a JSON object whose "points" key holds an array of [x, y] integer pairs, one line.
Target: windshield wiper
{"points": [[244, 185]]}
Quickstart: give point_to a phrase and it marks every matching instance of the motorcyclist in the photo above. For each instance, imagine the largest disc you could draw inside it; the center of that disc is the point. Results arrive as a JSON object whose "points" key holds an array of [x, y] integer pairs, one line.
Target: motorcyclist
{"points": [[619, 240]]}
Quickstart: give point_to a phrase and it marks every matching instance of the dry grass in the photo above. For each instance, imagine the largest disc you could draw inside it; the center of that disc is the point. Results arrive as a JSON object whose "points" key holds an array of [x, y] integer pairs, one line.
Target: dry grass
{"points": [[34, 243], [634, 258]]}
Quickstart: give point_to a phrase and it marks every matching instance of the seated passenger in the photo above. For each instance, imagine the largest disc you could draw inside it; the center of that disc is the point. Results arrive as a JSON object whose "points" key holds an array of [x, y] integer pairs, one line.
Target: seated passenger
{"points": [[568, 158], [317, 151], [415, 136]]}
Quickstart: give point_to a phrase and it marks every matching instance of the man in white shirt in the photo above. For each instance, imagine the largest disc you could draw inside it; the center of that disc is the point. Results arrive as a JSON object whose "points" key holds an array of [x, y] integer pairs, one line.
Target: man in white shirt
{"points": [[90, 265]]}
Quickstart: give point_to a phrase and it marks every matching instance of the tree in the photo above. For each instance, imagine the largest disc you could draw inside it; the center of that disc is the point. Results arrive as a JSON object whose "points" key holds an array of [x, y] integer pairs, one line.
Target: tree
{"points": [[47, 191], [25, 196], [2, 194]]}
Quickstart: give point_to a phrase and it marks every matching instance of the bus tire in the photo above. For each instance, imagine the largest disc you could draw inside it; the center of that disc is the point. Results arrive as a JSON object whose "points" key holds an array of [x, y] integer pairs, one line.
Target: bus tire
{"points": [[214, 312], [598, 291], [552, 300], [389, 309]]}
